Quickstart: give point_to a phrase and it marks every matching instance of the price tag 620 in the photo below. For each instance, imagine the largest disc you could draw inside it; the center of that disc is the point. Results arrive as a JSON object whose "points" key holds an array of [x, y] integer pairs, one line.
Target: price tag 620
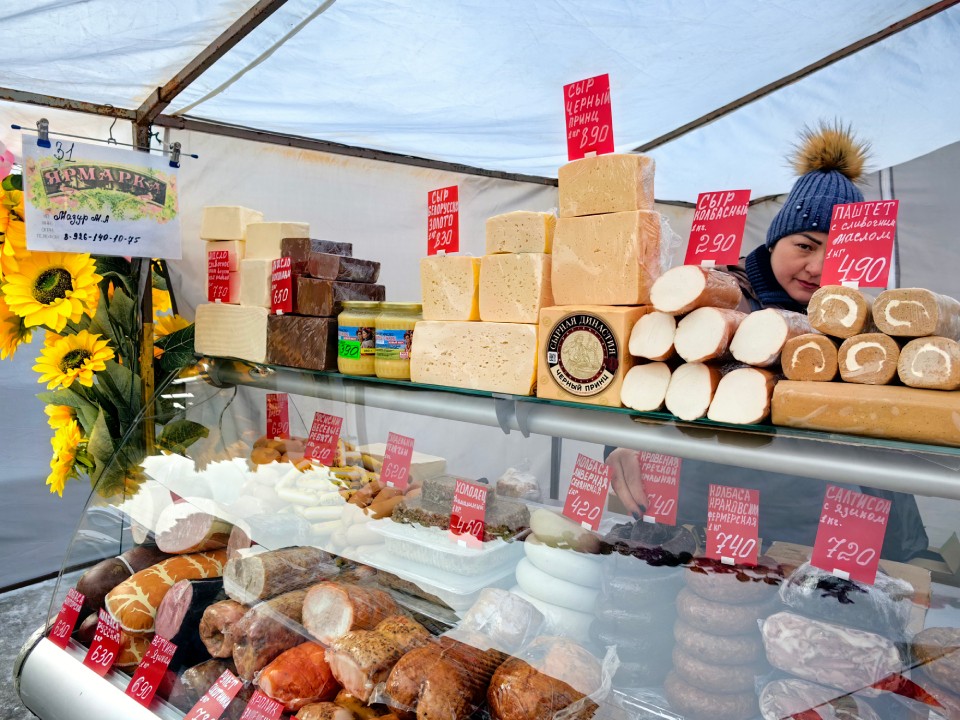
{"points": [[216, 699], [860, 244], [143, 686], [321, 444], [105, 646], [717, 230], [66, 619], [281, 286], [395, 470], [278, 416], [850, 534], [587, 494]]}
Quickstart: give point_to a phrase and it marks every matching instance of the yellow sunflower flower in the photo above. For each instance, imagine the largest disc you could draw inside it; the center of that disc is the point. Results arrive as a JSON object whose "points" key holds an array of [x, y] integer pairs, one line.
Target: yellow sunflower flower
{"points": [[66, 443], [59, 415], [13, 201], [13, 250], [13, 333], [52, 288], [161, 301], [165, 326], [73, 357]]}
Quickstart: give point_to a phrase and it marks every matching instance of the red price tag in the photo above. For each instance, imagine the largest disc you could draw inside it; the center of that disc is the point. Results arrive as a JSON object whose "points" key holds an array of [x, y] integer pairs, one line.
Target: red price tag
{"points": [[143, 686], [105, 646], [67, 618], [395, 470], [587, 494], [443, 220], [218, 276], [468, 512], [281, 286], [860, 244], [733, 525], [717, 230], [589, 117], [215, 700], [660, 475], [262, 707], [850, 534], [322, 442], [278, 416]]}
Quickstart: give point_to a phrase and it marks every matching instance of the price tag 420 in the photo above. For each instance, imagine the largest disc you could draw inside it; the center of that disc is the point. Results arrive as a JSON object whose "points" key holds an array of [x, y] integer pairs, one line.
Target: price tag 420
{"points": [[587, 495]]}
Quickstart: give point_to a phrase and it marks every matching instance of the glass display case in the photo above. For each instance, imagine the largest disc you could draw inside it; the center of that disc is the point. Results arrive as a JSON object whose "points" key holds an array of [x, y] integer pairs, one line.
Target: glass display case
{"points": [[238, 572]]}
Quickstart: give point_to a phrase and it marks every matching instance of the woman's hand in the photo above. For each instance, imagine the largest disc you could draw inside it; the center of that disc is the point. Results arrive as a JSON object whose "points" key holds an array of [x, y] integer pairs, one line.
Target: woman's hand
{"points": [[626, 480]]}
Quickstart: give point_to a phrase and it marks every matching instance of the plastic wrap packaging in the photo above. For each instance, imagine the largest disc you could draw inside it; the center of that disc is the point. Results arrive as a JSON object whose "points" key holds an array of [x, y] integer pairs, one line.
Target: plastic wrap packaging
{"points": [[513, 287], [937, 651], [332, 609], [180, 615], [930, 362], [508, 620], [743, 396], [521, 231], [191, 526], [734, 584], [519, 483], [559, 620], [869, 359], [299, 676], [324, 711], [881, 411], [216, 627], [543, 586], [947, 699], [718, 649], [811, 357], [450, 286], [840, 311], [883, 607], [670, 244], [783, 699], [693, 703], [266, 630], [762, 335], [611, 183], [273, 573], [577, 567], [687, 287], [915, 312], [654, 543], [720, 618], [195, 681]]}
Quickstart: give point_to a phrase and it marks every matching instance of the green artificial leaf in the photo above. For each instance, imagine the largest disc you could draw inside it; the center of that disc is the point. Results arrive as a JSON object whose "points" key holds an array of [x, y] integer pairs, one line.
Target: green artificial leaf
{"points": [[13, 182], [177, 436], [87, 412], [100, 446], [159, 282], [119, 271], [101, 325], [122, 387], [123, 312], [178, 350]]}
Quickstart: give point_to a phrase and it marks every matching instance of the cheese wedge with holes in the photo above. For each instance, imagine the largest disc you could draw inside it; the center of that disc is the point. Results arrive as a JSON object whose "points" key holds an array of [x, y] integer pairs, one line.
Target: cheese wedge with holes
{"points": [[232, 331], [606, 184], [521, 231], [513, 287], [227, 222], [264, 238], [449, 285], [255, 282]]}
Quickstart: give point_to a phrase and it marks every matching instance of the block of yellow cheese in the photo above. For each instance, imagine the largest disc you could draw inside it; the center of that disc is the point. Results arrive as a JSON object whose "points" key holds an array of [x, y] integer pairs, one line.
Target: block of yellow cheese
{"points": [[263, 238], [520, 232], [255, 281], [496, 357], [236, 331], [449, 285], [606, 259], [606, 184], [514, 287], [227, 222], [584, 352]]}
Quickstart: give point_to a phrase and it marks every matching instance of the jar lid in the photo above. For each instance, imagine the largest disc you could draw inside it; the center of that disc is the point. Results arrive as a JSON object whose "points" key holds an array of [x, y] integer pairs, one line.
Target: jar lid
{"points": [[401, 307], [361, 305]]}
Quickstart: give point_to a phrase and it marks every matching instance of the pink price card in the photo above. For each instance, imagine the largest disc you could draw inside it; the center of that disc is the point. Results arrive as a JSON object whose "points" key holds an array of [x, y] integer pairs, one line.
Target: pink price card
{"points": [[733, 525], [66, 619], [860, 244], [322, 442], [589, 117], [105, 646], [660, 475], [218, 276], [468, 512], [443, 220], [143, 686], [587, 494], [850, 534], [262, 707], [717, 230], [281, 286], [278, 416], [216, 699], [395, 470]]}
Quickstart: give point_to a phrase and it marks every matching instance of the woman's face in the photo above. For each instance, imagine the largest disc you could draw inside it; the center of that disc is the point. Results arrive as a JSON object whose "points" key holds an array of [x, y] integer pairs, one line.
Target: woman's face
{"points": [[797, 261]]}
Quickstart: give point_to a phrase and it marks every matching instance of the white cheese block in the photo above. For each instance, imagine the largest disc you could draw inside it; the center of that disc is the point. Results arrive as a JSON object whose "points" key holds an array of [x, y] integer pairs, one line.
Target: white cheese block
{"points": [[263, 238], [564, 563], [521, 231], [606, 259], [422, 466], [450, 287], [237, 331], [234, 250], [514, 287], [227, 222], [652, 336], [536, 583], [645, 387], [496, 357], [255, 282], [606, 184], [560, 620]]}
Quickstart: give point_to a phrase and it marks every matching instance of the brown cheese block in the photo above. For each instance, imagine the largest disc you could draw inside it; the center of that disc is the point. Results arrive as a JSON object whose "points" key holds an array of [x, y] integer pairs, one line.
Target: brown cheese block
{"points": [[762, 335], [885, 411], [652, 336], [810, 356], [840, 311], [930, 362], [705, 334], [302, 342], [688, 287], [324, 298], [743, 397], [915, 312], [299, 249], [691, 390], [868, 359], [327, 266]]}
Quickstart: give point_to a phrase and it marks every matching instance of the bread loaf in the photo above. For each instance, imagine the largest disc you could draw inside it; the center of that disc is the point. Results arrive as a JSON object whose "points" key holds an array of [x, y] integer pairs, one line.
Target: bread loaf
{"points": [[652, 336], [743, 397], [840, 311], [705, 334], [688, 287], [868, 359], [691, 390], [915, 312], [762, 335], [810, 356], [645, 387], [930, 362]]}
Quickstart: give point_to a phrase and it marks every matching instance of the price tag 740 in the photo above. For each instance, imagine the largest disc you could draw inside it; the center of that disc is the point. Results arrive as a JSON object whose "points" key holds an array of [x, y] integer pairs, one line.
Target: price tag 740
{"points": [[733, 518], [66, 619], [105, 646]]}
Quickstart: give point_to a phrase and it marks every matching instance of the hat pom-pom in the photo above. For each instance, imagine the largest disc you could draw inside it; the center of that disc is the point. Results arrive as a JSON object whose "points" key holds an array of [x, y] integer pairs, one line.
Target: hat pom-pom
{"points": [[830, 147]]}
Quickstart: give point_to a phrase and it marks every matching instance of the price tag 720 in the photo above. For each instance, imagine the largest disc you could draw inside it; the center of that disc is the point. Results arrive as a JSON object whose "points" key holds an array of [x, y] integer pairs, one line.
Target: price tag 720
{"points": [[850, 534], [105, 647]]}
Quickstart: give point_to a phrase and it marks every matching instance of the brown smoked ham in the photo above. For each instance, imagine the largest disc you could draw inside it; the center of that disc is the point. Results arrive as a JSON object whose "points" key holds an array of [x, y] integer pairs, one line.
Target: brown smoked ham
{"points": [[688, 287], [652, 336], [743, 397], [840, 311], [810, 356], [361, 659], [324, 711], [266, 630], [186, 528], [762, 335], [915, 312], [216, 625], [691, 390], [406, 633], [268, 574], [930, 362], [645, 387], [333, 609], [705, 334], [299, 676], [868, 359]]}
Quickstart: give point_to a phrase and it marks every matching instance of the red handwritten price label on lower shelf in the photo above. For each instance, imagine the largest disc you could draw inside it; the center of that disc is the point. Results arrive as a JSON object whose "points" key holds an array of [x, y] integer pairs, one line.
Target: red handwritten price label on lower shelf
{"points": [[443, 220], [143, 686], [589, 115], [281, 286], [860, 244], [216, 699], [262, 707], [850, 534], [587, 494], [717, 230], [660, 475], [468, 512], [66, 619], [395, 470], [322, 442], [278, 416], [105, 646], [733, 525], [218, 276]]}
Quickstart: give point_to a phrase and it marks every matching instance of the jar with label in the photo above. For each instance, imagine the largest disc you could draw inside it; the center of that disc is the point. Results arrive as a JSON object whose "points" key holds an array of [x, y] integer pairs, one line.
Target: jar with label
{"points": [[357, 338], [395, 338]]}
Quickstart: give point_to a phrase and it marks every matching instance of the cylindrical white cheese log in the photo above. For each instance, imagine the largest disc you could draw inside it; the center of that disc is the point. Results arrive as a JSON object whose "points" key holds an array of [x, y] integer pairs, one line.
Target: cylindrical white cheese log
{"points": [[645, 387], [930, 362], [536, 583], [868, 359], [652, 336], [762, 335], [840, 311], [810, 356], [705, 334], [691, 390], [915, 312], [743, 397], [688, 287]]}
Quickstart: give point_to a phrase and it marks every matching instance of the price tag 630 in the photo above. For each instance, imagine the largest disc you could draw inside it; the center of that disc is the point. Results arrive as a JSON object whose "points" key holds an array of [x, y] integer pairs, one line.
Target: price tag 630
{"points": [[587, 494], [443, 220], [143, 686], [850, 534], [278, 416], [860, 244], [468, 512], [216, 699], [321, 444], [395, 470], [660, 475], [733, 518], [717, 230], [105, 646], [281, 286], [66, 619]]}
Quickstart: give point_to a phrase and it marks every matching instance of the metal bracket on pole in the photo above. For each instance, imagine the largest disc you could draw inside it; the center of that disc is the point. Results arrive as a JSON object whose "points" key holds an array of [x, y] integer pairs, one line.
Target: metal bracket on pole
{"points": [[43, 132], [504, 406]]}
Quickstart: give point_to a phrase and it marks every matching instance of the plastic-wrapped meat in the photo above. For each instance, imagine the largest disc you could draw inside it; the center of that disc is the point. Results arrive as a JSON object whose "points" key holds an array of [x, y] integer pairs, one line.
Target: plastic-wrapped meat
{"points": [[332, 609], [883, 607], [298, 677], [844, 658], [194, 682], [267, 630], [654, 543], [507, 619], [324, 711], [215, 626], [937, 651], [784, 699], [406, 633], [361, 659]]}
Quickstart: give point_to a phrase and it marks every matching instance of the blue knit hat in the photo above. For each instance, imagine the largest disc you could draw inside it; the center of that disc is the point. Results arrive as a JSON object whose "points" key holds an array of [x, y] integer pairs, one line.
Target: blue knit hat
{"points": [[829, 160]]}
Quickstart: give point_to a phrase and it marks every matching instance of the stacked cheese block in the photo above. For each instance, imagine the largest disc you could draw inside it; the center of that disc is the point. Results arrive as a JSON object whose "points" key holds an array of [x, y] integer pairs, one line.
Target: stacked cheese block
{"points": [[224, 228], [479, 327]]}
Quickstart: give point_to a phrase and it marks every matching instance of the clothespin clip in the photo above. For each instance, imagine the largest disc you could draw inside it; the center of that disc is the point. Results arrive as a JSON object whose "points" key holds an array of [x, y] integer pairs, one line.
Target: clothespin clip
{"points": [[175, 155], [43, 133]]}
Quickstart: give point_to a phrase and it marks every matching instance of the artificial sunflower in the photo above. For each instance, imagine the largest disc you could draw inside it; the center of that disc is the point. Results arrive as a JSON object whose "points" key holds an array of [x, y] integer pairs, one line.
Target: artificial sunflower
{"points": [[13, 333], [59, 415], [73, 357], [167, 325], [52, 288], [66, 444], [14, 248], [161, 302]]}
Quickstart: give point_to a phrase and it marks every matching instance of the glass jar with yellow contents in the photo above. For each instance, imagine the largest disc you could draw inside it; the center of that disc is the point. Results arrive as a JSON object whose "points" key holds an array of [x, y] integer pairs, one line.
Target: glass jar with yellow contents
{"points": [[395, 338], [357, 338]]}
